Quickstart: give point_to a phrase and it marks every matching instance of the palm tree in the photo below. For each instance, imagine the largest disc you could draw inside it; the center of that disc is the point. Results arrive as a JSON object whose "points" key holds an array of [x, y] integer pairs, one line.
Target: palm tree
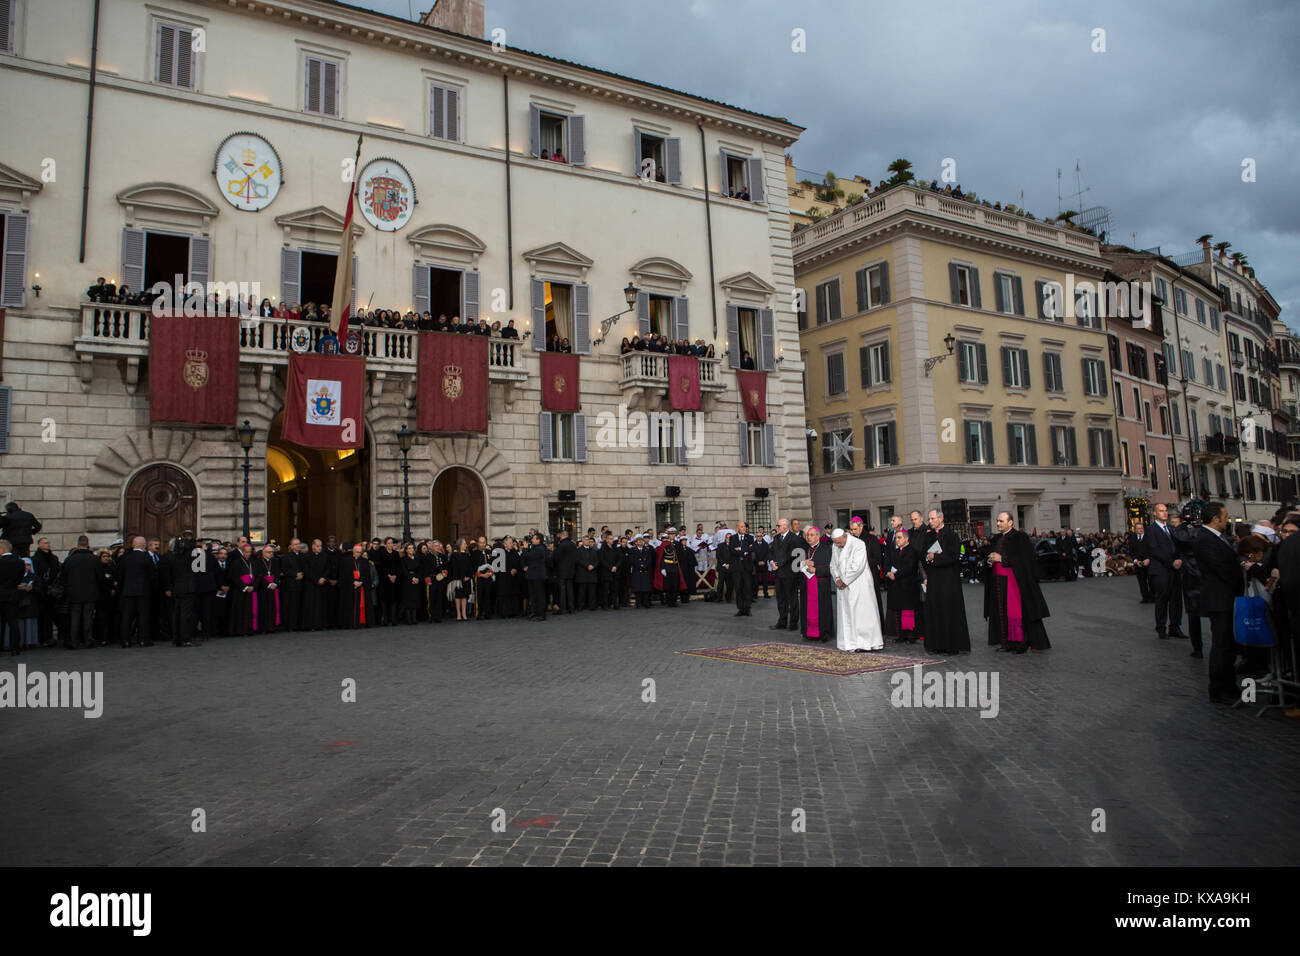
{"points": [[902, 170], [1204, 239], [1222, 247], [1067, 217], [829, 190]]}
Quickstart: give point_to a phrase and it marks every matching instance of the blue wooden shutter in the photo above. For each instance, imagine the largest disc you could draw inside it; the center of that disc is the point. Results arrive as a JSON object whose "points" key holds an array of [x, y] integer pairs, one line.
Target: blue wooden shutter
{"points": [[537, 296], [744, 442], [6, 413], [133, 259], [983, 357], [200, 260], [643, 313], [769, 445], [682, 318], [733, 336], [544, 436], [884, 283], [673, 160], [579, 437], [976, 299], [534, 131], [420, 286], [577, 141], [581, 320], [1023, 355], [724, 184], [14, 293], [291, 277], [469, 292], [756, 189], [767, 340]]}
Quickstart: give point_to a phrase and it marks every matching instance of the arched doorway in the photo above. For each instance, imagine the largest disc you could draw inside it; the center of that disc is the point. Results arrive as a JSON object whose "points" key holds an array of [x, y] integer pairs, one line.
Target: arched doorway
{"points": [[160, 502], [459, 507], [316, 492]]}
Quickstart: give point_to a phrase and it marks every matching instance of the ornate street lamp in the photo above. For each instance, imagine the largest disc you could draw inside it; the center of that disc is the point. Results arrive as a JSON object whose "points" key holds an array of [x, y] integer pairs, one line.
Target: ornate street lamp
{"points": [[405, 439], [246, 433]]}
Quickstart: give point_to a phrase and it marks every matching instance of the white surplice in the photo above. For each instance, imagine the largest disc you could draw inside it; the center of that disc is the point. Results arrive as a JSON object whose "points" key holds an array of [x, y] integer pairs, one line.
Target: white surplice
{"points": [[857, 616]]}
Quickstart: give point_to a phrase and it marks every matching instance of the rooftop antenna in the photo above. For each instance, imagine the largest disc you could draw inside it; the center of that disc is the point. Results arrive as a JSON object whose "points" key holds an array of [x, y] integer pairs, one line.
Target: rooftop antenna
{"points": [[1078, 187], [1058, 190]]}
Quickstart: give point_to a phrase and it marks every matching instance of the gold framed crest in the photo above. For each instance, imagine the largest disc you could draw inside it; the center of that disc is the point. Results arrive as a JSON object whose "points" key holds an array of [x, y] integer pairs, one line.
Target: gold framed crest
{"points": [[452, 384], [195, 371]]}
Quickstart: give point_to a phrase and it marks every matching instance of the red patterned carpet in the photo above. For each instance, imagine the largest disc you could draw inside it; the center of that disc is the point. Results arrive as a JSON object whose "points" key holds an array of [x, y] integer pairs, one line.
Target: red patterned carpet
{"points": [[802, 657]]}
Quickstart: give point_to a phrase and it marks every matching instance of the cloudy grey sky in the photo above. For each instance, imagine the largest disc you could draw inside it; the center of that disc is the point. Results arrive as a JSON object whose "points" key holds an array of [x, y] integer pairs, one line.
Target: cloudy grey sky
{"points": [[1159, 123]]}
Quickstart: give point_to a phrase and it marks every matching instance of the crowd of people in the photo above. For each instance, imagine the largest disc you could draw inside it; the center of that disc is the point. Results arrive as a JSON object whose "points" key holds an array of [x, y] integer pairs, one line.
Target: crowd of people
{"points": [[654, 342]]}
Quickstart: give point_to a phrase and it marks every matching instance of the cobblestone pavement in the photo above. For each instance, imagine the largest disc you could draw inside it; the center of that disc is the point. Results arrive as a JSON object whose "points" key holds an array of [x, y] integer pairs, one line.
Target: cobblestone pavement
{"points": [[547, 724]]}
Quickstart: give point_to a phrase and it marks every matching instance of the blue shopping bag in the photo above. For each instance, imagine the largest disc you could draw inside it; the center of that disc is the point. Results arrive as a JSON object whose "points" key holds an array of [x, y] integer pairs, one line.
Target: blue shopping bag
{"points": [[1250, 624]]}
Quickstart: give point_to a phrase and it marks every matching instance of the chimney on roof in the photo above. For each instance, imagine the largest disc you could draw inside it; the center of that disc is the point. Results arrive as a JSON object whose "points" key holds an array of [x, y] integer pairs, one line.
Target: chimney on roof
{"points": [[458, 16]]}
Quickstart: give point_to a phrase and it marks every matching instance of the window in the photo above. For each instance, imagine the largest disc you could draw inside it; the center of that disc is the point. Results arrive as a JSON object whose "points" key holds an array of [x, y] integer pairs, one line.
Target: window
{"points": [[667, 439], [1235, 480], [1208, 370], [1189, 365], [560, 314], [1101, 449], [835, 374], [1066, 515], [657, 157], [758, 513], [751, 338], [964, 283], [972, 363], [881, 446], [837, 450], [1094, 374], [1238, 386], [1137, 361], [1142, 457], [1015, 367], [557, 137], [1123, 455], [873, 286], [1173, 475], [742, 178], [1214, 318], [1250, 476], [1021, 444], [828, 301], [1085, 310], [886, 515], [874, 362], [1175, 419], [670, 514], [1103, 516], [803, 309], [1180, 301], [1009, 294], [1137, 403], [1170, 360], [979, 442], [1220, 376], [173, 50], [564, 516], [1053, 380], [1064, 451], [1162, 289], [1119, 399], [321, 89], [758, 444], [1164, 419], [563, 436], [1200, 311], [440, 292], [444, 112], [1146, 413], [1051, 300]]}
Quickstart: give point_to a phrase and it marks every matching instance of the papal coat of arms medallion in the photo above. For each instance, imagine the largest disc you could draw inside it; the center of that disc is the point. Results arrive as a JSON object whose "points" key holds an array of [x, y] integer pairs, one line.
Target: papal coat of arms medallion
{"points": [[452, 385], [196, 368]]}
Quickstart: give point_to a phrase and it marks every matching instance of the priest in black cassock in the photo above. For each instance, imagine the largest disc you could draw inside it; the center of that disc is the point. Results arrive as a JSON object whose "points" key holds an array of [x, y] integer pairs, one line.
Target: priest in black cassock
{"points": [[817, 593], [356, 600], [945, 606], [239, 577], [1013, 602], [315, 587]]}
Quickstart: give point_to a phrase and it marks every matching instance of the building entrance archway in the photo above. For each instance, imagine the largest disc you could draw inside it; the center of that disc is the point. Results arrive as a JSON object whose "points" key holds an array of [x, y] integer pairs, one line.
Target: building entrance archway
{"points": [[316, 492], [459, 505]]}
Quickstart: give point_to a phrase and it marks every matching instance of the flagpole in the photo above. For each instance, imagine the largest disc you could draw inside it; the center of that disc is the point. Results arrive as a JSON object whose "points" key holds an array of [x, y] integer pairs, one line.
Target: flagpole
{"points": [[343, 277]]}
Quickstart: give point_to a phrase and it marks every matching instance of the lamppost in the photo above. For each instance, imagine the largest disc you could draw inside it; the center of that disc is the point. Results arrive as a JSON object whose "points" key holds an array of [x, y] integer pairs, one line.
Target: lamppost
{"points": [[405, 439], [629, 293], [934, 360], [246, 433]]}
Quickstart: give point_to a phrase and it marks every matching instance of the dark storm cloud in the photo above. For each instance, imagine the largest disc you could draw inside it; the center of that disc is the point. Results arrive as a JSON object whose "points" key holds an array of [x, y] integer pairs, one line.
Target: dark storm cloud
{"points": [[1159, 123]]}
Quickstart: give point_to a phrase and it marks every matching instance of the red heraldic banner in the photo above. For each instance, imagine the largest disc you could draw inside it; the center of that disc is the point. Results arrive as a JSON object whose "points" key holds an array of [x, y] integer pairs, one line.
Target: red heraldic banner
{"points": [[323, 401], [453, 383], [684, 383], [753, 395], [193, 370], [559, 382]]}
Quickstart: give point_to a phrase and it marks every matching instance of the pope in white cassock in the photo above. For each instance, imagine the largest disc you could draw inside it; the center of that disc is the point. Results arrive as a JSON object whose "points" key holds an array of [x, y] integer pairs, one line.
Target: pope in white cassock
{"points": [[857, 616]]}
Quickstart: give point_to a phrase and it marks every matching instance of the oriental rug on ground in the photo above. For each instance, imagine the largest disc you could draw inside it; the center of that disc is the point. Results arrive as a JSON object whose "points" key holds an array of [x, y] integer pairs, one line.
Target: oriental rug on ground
{"points": [[801, 657]]}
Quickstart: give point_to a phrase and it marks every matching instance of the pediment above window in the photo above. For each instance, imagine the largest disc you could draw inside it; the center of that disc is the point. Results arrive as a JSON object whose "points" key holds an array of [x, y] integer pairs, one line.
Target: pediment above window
{"points": [[16, 190], [745, 288], [447, 245], [167, 206], [557, 260], [661, 274], [317, 226]]}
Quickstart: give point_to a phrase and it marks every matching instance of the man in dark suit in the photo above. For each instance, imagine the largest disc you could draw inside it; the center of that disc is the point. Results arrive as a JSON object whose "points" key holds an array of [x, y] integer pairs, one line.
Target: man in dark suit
{"points": [[565, 561], [137, 583], [179, 581], [781, 560], [19, 528], [1137, 550], [1221, 585], [1164, 570], [740, 560], [12, 571], [81, 573], [858, 529]]}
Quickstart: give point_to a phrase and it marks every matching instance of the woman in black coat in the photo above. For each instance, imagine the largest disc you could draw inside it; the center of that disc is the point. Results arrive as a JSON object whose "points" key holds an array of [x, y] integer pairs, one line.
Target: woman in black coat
{"points": [[462, 573], [106, 602], [904, 578], [411, 584]]}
